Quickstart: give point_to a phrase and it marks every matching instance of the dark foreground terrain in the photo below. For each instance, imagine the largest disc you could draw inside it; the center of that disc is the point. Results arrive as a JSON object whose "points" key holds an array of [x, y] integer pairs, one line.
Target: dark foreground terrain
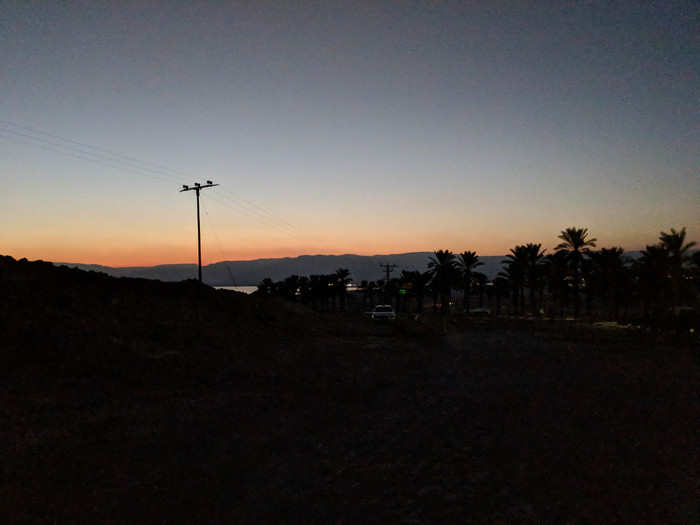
{"points": [[129, 401]]}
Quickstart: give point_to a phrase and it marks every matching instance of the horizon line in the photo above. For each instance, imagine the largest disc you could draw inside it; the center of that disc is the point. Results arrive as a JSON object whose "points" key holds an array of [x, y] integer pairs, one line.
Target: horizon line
{"points": [[267, 259]]}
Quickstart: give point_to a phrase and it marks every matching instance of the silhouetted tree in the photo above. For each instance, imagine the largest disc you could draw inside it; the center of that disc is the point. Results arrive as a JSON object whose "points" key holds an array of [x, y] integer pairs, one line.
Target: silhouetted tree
{"points": [[575, 244], [534, 260], [340, 285], [421, 283], [501, 289], [652, 271], [289, 287], [608, 278], [443, 270], [416, 283], [319, 291], [392, 292], [479, 279], [512, 274], [694, 275], [695, 267], [304, 289], [266, 286], [515, 270], [556, 270], [435, 294], [678, 253], [467, 263]]}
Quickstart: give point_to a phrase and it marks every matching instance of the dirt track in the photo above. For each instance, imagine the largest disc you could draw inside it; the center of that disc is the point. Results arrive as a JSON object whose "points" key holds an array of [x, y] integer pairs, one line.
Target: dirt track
{"points": [[482, 426]]}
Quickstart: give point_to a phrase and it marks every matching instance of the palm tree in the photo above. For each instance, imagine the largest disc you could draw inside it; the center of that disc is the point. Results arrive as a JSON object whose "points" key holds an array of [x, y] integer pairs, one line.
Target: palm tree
{"points": [[480, 281], [674, 243], [653, 274], [516, 271], [575, 244], [421, 282], [443, 270], [575, 240], [511, 273], [467, 263], [417, 284], [608, 278], [341, 279], [500, 286], [557, 281], [534, 256]]}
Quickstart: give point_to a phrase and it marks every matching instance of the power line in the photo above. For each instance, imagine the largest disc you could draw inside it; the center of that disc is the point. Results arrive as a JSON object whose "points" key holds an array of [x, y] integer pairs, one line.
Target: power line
{"points": [[106, 157], [109, 155], [212, 227], [96, 150], [226, 203], [78, 154], [261, 209], [269, 219]]}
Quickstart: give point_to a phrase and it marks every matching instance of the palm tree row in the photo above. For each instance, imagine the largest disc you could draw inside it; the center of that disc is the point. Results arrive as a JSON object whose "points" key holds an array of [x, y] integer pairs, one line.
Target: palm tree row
{"points": [[531, 282], [655, 280]]}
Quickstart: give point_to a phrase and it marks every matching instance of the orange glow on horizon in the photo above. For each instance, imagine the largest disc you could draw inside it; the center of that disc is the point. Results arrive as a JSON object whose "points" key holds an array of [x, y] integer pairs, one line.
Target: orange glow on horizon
{"points": [[177, 255], [93, 245]]}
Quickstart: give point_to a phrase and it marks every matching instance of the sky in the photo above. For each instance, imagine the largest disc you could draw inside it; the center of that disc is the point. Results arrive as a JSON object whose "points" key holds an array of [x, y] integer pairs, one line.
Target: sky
{"points": [[344, 127]]}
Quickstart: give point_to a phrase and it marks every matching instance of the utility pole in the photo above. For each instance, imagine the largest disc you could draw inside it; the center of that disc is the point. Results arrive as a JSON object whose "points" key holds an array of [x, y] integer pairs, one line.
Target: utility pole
{"points": [[197, 187], [388, 268]]}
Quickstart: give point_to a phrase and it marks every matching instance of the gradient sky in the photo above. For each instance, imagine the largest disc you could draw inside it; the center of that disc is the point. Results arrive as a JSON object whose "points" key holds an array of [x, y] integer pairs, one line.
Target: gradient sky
{"points": [[344, 127]]}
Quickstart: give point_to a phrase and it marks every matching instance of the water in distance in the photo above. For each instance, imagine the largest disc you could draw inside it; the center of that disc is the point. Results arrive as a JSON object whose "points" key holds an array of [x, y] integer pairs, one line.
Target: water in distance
{"points": [[244, 289]]}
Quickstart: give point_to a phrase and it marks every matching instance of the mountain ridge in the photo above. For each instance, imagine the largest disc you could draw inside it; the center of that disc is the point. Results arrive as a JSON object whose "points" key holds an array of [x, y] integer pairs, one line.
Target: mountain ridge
{"points": [[251, 272]]}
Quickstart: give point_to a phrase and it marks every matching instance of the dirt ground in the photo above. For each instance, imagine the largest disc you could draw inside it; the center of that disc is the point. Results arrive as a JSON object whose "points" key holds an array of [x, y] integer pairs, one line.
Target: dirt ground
{"points": [[134, 401], [480, 426]]}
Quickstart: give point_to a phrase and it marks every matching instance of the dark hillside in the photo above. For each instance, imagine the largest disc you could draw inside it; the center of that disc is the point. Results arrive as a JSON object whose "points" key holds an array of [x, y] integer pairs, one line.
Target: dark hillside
{"points": [[70, 321]]}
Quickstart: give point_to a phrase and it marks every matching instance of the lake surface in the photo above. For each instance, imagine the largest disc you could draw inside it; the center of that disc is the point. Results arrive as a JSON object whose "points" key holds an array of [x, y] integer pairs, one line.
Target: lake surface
{"points": [[244, 289]]}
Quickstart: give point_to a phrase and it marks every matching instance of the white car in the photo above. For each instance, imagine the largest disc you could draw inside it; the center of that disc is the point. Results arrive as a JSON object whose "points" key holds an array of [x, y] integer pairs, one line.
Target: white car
{"points": [[480, 312], [383, 311]]}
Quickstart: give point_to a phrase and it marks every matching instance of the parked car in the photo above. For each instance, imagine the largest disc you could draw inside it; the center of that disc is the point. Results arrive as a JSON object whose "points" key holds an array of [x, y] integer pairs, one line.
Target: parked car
{"points": [[480, 312], [383, 312]]}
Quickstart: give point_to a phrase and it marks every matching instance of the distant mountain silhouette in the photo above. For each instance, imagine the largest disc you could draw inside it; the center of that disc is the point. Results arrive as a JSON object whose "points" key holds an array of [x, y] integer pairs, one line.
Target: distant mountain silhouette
{"points": [[241, 273], [252, 272]]}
